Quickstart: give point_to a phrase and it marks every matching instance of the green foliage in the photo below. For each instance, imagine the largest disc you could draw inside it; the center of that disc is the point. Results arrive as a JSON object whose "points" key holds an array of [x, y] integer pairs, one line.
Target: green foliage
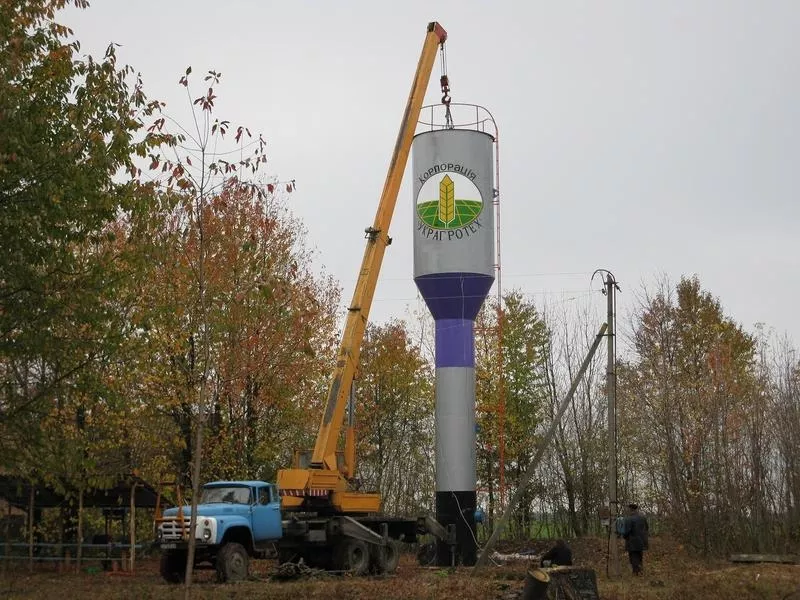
{"points": [[525, 349], [691, 393], [394, 419], [522, 389], [115, 317], [228, 306], [71, 125]]}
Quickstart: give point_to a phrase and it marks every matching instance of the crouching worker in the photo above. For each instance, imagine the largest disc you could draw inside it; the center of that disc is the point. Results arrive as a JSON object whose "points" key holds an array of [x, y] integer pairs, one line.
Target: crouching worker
{"points": [[558, 555]]}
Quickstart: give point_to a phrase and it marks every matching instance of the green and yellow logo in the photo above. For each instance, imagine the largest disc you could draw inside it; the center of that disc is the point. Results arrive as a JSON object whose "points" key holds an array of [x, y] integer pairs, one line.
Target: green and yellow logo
{"points": [[449, 202]]}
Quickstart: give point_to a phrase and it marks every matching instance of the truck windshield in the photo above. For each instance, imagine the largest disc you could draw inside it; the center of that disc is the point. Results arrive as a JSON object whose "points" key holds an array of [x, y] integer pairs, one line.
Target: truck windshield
{"points": [[233, 495]]}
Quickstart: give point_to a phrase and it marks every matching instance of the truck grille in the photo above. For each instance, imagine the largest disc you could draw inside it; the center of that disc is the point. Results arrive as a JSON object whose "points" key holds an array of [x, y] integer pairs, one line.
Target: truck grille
{"points": [[171, 529]]}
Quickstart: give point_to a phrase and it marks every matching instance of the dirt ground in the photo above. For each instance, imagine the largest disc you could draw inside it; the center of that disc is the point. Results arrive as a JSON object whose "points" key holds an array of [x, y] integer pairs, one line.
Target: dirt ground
{"points": [[670, 573]]}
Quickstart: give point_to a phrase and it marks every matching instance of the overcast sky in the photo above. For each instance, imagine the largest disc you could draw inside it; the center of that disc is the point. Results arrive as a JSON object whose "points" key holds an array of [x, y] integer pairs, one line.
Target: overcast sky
{"points": [[645, 137]]}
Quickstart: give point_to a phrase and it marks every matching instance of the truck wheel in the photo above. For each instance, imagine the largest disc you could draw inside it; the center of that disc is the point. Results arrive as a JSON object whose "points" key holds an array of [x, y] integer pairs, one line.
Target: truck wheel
{"points": [[353, 556], [392, 551], [426, 555], [232, 563], [173, 567], [377, 559]]}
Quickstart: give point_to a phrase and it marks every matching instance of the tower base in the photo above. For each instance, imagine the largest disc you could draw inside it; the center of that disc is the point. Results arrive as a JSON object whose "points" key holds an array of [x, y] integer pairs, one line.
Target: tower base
{"points": [[457, 508]]}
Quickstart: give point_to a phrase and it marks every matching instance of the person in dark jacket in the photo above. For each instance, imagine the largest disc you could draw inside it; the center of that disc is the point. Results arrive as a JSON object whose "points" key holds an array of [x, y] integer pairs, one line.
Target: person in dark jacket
{"points": [[560, 554], [635, 532]]}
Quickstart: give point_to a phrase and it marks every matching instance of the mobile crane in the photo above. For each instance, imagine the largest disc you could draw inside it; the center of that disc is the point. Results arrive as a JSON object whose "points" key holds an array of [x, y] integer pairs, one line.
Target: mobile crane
{"points": [[322, 480], [316, 512]]}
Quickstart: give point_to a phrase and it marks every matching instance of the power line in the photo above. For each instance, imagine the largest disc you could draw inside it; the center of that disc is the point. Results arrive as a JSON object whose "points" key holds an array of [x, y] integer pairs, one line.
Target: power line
{"points": [[505, 275], [579, 293]]}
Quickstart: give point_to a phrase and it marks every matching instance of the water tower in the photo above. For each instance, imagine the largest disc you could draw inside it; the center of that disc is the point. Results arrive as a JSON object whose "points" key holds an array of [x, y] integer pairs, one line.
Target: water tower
{"points": [[454, 268]]}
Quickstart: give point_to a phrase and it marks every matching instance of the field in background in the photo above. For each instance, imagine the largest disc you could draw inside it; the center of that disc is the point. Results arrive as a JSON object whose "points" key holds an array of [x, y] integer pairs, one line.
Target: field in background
{"points": [[670, 572]]}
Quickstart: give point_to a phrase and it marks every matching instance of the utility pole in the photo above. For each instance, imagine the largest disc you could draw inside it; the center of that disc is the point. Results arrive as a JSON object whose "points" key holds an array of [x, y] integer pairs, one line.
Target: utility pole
{"points": [[611, 391], [544, 443]]}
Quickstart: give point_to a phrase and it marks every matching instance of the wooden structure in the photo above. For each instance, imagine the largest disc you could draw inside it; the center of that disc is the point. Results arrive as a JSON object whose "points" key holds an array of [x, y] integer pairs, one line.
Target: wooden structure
{"points": [[117, 501]]}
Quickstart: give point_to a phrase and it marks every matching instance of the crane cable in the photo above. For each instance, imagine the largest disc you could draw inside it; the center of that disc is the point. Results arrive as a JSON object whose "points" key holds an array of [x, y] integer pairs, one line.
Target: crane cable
{"points": [[445, 83]]}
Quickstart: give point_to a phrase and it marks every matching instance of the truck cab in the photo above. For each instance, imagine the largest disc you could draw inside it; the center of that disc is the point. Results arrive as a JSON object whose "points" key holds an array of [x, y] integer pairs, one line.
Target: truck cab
{"points": [[236, 521]]}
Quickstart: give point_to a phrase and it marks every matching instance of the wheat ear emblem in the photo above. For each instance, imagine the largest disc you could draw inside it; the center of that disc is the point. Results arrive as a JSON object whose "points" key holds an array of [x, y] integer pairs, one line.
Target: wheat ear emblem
{"points": [[447, 200]]}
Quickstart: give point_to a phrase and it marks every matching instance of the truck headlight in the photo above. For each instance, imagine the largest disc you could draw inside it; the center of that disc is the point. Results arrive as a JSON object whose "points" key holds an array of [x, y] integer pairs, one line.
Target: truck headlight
{"points": [[160, 533], [206, 534]]}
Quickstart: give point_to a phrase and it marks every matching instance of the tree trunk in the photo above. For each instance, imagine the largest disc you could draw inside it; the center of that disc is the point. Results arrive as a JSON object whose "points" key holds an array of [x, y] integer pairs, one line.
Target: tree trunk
{"points": [[571, 510], [79, 534], [196, 472], [490, 483], [563, 582], [184, 418], [30, 527], [536, 584], [252, 421], [133, 526], [7, 534]]}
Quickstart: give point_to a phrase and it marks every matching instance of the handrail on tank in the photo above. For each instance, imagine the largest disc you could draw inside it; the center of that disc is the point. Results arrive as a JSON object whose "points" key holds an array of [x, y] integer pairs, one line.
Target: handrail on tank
{"points": [[479, 123]]}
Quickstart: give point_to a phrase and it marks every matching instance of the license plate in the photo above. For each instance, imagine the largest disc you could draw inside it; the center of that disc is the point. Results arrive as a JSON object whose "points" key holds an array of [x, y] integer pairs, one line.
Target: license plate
{"points": [[168, 546]]}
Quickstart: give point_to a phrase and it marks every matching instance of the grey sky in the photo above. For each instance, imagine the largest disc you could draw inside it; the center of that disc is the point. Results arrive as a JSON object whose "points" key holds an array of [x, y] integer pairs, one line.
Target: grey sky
{"points": [[645, 137]]}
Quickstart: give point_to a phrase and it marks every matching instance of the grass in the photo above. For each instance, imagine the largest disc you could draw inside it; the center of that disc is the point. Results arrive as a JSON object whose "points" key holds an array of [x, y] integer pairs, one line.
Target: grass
{"points": [[466, 211], [670, 573]]}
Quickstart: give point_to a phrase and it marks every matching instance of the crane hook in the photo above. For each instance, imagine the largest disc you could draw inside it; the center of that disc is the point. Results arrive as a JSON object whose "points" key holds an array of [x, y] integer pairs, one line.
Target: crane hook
{"points": [[445, 90], [445, 83]]}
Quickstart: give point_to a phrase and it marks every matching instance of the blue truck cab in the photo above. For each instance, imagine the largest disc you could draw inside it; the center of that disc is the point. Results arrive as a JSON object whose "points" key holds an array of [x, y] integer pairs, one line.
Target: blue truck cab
{"points": [[236, 521]]}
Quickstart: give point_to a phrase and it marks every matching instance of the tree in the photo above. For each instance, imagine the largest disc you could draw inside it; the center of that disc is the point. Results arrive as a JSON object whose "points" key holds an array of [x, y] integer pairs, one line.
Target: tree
{"points": [[71, 128], [773, 433], [525, 348], [489, 391], [277, 321], [394, 399], [785, 422], [238, 312], [575, 469], [193, 187], [691, 393]]}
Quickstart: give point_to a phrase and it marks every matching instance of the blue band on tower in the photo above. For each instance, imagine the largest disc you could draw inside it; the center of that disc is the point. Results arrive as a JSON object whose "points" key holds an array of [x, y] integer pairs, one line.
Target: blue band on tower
{"points": [[454, 295], [455, 343]]}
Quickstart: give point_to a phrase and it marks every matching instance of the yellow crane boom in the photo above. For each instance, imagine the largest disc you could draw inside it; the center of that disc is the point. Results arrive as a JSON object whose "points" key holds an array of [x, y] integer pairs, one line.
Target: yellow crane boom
{"points": [[324, 473]]}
